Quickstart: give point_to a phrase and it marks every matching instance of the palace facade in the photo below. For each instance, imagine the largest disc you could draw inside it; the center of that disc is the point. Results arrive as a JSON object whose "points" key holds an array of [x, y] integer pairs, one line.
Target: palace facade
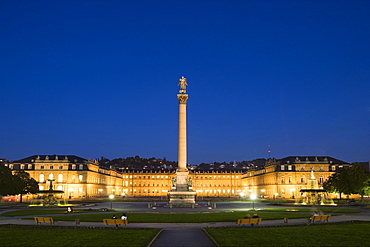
{"points": [[83, 178]]}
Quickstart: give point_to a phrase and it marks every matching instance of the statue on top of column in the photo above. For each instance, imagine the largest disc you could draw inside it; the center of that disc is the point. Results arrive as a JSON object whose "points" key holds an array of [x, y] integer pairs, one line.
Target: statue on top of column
{"points": [[182, 83]]}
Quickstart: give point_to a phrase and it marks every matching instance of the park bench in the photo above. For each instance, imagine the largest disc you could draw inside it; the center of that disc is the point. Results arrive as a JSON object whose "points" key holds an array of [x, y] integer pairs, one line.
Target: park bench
{"points": [[249, 221], [115, 222], [40, 220], [319, 217]]}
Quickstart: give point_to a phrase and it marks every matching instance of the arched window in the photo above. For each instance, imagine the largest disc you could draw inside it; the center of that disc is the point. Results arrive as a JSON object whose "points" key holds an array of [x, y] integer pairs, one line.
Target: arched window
{"points": [[60, 178], [303, 179], [321, 180], [42, 178]]}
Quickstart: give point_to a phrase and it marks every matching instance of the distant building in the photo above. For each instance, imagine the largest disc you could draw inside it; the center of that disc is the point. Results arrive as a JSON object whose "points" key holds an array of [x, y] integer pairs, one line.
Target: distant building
{"points": [[84, 178], [286, 177]]}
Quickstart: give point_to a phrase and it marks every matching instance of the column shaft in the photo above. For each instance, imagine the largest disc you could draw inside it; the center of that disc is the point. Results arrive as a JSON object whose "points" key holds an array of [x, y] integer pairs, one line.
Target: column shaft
{"points": [[182, 148]]}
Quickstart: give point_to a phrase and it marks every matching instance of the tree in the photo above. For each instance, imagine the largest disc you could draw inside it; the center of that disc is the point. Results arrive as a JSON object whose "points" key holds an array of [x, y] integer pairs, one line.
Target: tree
{"points": [[353, 180], [359, 177], [25, 184], [334, 184], [7, 181]]}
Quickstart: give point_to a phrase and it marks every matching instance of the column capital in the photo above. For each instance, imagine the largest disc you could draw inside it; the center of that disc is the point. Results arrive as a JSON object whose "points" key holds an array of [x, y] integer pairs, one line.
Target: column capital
{"points": [[182, 98]]}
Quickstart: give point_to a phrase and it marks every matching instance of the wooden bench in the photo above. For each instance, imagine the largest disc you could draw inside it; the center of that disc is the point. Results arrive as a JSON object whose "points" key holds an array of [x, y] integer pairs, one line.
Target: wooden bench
{"points": [[249, 221], [319, 217], [115, 222], [40, 220]]}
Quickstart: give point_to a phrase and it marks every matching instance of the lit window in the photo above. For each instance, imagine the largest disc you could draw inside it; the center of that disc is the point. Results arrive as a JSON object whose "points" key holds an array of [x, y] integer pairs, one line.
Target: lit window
{"points": [[22, 167], [60, 178], [289, 167], [51, 176], [81, 167], [60, 187], [29, 166], [41, 187], [282, 167], [73, 167], [333, 168], [80, 177], [42, 178]]}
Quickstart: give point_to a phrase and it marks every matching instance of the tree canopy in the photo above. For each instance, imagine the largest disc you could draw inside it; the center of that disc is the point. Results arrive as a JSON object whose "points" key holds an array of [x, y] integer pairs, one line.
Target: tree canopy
{"points": [[353, 180], [19, 183]]}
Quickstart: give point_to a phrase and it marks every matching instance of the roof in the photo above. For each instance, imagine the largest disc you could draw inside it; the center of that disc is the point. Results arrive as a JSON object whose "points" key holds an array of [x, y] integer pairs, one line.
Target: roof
{"points": [[35, 158], [326, 159]]}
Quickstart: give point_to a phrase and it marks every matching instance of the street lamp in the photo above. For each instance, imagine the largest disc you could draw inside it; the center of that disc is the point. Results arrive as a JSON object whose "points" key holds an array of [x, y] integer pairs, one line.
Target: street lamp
{"points": [[111, 197], [241, 195], [253, 197]]}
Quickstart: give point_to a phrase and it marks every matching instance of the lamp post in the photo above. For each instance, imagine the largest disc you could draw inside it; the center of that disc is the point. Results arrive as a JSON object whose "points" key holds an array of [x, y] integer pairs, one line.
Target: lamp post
{"points": [[253, 197], [111, 197]]}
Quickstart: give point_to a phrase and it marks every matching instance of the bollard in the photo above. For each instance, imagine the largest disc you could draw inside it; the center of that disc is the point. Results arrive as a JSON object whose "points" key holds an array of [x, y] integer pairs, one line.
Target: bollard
{"points": [[77, 221], [285, 220]]}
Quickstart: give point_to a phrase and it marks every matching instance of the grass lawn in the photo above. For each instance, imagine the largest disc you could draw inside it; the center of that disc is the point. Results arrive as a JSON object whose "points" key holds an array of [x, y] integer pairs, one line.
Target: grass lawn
{"points": [[27, 212], [310, 235], [181, 218], [64, 236], [326, 210]]}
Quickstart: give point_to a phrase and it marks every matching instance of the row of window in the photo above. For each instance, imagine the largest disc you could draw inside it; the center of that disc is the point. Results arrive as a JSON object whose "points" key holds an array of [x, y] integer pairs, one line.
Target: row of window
{"points": [[59, 179], [290, 168], [42, 167], [52, 167], [303, 179]]}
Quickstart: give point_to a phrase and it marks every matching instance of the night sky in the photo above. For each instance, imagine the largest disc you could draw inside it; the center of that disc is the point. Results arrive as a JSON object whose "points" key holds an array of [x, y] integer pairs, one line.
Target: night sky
{"points": [[100, 78]]}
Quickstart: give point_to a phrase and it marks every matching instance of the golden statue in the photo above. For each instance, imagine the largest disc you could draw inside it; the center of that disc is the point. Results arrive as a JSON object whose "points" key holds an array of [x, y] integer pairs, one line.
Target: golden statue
{"points": [[183, 84]]}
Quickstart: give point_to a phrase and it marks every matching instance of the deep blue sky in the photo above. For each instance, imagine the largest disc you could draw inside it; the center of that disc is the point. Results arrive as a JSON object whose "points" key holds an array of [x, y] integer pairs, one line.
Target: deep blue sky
{"points": [[100, 78]]}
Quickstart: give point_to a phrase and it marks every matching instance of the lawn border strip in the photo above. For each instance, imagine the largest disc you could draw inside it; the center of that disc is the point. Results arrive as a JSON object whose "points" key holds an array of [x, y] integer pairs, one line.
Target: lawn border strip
{"points": [[155, 238], [210, 237], [16, 226]]}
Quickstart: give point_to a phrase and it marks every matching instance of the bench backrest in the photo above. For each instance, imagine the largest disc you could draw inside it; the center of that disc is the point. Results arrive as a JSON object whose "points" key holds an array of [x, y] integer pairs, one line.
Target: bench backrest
{"points": [[44, 219], [115, 221], [320, 217], [249, 221]]}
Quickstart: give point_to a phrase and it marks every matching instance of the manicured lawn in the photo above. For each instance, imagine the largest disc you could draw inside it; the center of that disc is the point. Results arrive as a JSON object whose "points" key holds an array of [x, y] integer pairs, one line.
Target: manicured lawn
{"points": [[181, 218], [330, 210], [310, 235], [56, 237], [326, 210], [27, 212]]}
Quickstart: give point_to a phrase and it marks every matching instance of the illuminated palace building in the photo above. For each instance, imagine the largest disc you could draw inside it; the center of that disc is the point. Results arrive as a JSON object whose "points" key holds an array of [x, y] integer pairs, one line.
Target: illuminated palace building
{"points": [[81, 178]]}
